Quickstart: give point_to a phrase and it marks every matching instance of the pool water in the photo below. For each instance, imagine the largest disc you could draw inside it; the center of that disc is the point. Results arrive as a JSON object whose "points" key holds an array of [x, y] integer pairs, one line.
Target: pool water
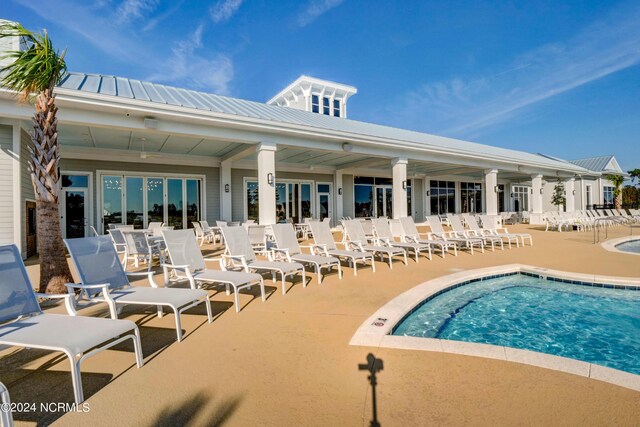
{"points": [[630, 246], [591, 324]]}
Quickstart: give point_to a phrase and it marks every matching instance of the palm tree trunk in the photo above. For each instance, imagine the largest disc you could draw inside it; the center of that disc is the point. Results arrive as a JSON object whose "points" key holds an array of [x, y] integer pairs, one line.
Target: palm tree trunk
{"points": [[45, 176]]}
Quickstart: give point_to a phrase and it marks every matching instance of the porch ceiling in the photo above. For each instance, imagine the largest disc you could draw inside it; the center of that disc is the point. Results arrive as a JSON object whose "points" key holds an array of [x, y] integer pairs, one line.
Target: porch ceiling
{"points": [[154, 142]]}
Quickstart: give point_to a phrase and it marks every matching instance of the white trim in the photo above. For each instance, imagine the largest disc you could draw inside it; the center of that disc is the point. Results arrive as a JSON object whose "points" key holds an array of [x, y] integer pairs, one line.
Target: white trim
{"points": [[17, 187], [316, 211]]}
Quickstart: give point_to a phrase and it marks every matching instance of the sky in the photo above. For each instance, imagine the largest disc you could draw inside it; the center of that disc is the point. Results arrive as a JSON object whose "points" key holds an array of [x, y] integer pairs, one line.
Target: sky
{"points": [[552, 77]]}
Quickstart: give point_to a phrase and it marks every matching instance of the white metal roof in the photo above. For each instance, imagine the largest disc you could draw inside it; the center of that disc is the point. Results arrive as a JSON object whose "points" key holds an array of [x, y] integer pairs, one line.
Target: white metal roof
{"points": [[121, 87], [598, 164]]}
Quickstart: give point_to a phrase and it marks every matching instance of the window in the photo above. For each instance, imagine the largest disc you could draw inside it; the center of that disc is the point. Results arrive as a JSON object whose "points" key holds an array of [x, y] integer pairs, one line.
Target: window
{"points": [[607, 193], [323, 188], [471, 194], [253, 208], [325, 106], [520, 196], [589, 201], [363, 198], [81, 181], [501, 198], [315, 103], [443, 197], [176, 201], [336, 108]]}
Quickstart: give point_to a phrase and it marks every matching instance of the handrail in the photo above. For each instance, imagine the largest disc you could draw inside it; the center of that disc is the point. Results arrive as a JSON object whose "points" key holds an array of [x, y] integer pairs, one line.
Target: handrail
{"points": [[596, 228]]}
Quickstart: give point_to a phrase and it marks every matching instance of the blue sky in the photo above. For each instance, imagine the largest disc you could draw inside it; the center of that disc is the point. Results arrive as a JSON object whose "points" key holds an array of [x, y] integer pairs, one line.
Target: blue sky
{"points": [[562, 78]]}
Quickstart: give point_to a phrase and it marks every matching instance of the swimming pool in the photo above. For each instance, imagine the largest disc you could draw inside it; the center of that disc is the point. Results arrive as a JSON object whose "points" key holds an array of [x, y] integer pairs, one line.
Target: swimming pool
{"points": [[632, 246], [592, 324]]}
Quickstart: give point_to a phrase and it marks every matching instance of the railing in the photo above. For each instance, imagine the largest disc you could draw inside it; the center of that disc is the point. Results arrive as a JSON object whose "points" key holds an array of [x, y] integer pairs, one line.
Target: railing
{"points": [[597, 222]]}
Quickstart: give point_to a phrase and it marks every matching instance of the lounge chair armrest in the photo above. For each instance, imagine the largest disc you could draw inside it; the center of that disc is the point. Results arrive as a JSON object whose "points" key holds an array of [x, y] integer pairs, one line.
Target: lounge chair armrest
{"points": [[283, 251], [68, 301], [228, 260], [149, 275], [319, 249]]}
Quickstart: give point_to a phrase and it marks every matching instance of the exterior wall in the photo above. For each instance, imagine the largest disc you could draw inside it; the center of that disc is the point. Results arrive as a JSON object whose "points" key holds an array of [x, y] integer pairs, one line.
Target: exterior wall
{"points": [[6, 189], [347, 195], [212, 179], [237, 186], [26, 187]]}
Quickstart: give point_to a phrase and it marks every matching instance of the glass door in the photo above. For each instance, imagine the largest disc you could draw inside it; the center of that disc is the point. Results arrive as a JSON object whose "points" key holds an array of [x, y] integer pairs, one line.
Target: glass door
{"points": [[384, 201], [324, 201], [520, 194], [175, 203], [75, 212], [134, 201]]}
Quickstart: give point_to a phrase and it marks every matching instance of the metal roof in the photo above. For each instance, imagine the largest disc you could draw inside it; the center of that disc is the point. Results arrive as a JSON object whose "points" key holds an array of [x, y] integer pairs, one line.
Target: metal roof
{"points": [[157, 93], [596, 164]]}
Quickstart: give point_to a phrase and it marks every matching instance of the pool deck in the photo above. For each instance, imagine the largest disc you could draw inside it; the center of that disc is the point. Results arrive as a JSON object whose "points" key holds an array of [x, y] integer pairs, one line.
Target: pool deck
{"points": [[288, 361]]}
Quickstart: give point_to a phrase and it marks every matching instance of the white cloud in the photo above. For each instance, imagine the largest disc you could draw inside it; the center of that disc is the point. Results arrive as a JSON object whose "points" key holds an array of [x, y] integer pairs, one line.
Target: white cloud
{"points": [[462, 107], [223, 10], [212, 73], [314, 9], [130, 10]]}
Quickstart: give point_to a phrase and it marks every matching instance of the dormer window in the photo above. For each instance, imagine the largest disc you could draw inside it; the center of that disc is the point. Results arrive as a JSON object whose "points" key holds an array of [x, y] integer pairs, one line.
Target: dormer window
{"points": [[325, 106], [336, 108], [315, 103]]}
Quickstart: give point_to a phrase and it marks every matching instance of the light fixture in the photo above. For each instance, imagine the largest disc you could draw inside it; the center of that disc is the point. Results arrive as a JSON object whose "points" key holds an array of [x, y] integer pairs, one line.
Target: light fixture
{"points": [[542, 191], [428, 193], [347, 147], [226, 188], [270, 178], [404, 185], [512, 195], [496, 189], [574, 192], [340, 191]]}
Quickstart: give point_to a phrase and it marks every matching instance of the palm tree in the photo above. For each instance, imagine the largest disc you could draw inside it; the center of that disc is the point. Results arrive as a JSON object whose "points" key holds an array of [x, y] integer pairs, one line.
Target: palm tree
{"points": [[35, 71], [617, 181]]}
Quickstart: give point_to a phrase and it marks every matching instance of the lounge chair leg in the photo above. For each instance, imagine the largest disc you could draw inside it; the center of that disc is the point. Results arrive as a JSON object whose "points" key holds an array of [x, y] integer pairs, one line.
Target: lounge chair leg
{"points": [[283, 283], [178, 324], [137, 347], [340, 274], [319, 273], [208, 304], [236, 299], [227, 291], [76, 379], [262, 288], [355, 267]]}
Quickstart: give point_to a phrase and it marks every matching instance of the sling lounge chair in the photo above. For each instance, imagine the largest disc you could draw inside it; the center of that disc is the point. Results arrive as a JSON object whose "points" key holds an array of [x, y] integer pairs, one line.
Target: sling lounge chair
{"points": [[356, 238], [411, 234], [103, 279], [325, 245], [187, 263], [384, 237], [23, 324], [459, 231], [287, 246], [438, 232], [240, 253]]}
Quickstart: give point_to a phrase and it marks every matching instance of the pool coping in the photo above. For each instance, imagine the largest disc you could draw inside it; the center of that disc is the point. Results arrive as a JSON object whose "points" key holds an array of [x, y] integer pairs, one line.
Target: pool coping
{"points": [[376, 330], [610, 245]]}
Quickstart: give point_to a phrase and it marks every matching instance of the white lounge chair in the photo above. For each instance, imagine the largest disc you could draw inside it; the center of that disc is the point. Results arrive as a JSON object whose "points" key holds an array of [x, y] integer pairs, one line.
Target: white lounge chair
{"points": [[187, 263], [509, 238], [384, 237], [503, 232], [411, 234], [139, 249], [356, 238], [325, 245], [103, 279], [438, 232], [460, 231], [240, 254], [23, 324], [6, 416], [287, 246]]}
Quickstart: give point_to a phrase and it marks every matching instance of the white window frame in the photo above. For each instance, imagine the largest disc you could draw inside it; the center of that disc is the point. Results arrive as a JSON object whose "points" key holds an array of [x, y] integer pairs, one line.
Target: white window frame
{"points": [[145, 176], [316, 213], [285, 181]]}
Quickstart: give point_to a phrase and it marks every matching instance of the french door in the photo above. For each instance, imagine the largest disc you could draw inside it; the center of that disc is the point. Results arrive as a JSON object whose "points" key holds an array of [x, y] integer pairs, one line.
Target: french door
{"points": [[75, 213], [293, 201], [384, 201]]}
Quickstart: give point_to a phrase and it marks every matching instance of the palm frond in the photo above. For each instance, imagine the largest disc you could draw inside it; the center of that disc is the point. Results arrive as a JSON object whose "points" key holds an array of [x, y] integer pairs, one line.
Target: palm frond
{"points": [[34, 69]]}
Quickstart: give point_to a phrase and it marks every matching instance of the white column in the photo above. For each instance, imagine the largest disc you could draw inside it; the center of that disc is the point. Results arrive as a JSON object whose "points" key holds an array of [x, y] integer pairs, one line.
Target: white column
{"points": [[266, 189], [225, 191], [18, 217], [536, 200], [399, 167], [339, 195], [570, 188], [427, 197], [490, 194]]}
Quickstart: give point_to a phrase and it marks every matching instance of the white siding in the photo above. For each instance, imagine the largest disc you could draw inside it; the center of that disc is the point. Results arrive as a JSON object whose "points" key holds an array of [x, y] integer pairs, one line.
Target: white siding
{"points": [[6, 185]]}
